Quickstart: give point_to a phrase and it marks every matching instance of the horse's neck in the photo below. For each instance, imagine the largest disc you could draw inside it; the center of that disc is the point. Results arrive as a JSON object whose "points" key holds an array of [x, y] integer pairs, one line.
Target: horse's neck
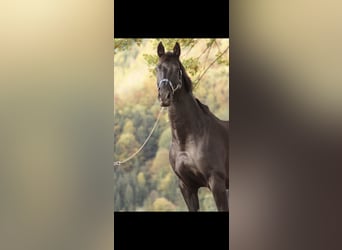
{"points": [[184, 118]]}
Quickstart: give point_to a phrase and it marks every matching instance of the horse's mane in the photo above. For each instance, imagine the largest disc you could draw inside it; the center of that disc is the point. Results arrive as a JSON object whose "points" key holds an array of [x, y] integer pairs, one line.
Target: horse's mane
{"points": [[207, 111], [186, 79], [204, 107]]}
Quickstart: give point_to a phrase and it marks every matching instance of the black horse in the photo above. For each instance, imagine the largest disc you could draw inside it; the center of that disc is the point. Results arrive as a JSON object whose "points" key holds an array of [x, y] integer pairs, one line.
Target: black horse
{"points": [[200, 142]]}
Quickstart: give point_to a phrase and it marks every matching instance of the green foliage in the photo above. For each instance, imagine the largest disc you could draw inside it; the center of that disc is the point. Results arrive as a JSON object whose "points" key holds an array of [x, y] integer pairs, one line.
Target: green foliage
{"points": [[141, 179], [117, 201], [162, 204], [165, 139], [151, 61], [165, 183], [126, 144], [128, 127], [125, 44], [147, 182], [192, 66], [206, 200], [161, 161], [129, 197]]}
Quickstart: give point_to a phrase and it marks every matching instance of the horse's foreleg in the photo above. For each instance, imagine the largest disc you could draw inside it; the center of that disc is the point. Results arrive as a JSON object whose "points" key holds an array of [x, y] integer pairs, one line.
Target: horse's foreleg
{"points": [[218, 188], [190, 196]]}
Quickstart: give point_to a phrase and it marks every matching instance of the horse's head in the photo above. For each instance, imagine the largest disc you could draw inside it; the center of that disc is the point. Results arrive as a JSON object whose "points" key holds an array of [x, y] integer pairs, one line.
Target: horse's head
{"points": [[169, 74]]}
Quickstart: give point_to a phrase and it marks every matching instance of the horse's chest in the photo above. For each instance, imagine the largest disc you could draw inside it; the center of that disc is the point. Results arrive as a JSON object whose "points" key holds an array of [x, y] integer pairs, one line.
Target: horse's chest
{"points": [[188, 168]]}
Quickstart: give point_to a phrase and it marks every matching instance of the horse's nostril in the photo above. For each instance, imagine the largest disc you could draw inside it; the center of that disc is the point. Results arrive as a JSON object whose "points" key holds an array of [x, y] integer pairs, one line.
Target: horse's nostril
{"points": [[168, 96]]}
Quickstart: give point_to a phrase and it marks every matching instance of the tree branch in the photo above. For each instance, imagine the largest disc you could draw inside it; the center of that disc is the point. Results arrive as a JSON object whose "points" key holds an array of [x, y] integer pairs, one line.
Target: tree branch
{"points": [[205, 71]]}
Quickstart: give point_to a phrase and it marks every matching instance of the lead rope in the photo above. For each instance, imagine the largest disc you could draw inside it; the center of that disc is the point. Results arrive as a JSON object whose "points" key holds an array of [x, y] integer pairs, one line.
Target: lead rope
{"points": [[118, 163]]}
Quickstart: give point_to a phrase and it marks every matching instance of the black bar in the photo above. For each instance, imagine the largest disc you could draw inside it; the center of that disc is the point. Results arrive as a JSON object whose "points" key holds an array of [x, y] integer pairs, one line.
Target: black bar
{"points": [[174, 19], [171, 230]]}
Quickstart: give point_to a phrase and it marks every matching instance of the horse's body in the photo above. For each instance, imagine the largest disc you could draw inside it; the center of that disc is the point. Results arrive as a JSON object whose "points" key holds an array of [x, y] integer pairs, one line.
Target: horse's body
{"points": [[200, 142]]}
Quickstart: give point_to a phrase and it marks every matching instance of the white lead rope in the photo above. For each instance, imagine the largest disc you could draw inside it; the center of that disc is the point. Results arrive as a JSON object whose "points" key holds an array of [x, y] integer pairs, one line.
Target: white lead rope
{"points": [[118, 163]]}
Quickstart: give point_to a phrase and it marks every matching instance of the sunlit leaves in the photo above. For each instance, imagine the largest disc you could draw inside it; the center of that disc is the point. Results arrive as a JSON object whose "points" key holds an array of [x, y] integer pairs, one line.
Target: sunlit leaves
{"points": [[124, 44], [192, 65], [165, 139], [152, 61], [141, 179], [162, 204], [165, 182]]}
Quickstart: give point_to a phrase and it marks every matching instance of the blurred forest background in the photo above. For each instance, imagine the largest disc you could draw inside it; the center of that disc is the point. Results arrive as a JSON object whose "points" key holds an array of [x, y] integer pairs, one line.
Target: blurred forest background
{"points": [[147, 182]]}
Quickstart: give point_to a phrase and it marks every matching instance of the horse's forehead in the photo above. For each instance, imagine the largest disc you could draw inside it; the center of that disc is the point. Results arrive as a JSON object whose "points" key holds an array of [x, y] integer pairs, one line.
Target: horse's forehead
{"points": [[169, 61]]}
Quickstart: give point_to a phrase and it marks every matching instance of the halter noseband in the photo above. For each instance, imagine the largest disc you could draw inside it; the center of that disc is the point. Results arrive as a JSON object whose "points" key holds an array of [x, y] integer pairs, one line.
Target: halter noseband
{"points": [[179, 85]]}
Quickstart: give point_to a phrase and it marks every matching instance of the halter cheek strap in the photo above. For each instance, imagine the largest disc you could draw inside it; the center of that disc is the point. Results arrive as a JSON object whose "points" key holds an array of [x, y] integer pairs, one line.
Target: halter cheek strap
{"points": [[179, 85]]}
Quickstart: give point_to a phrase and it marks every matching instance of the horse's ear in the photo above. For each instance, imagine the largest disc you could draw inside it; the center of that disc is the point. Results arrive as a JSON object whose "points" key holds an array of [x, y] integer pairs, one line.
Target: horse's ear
{"points": [[176, 49], [160, 50]]}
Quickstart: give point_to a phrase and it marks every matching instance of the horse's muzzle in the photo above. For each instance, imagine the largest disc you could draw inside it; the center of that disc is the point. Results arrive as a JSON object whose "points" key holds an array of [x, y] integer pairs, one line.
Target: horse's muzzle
{"points": [[164, 98]]}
